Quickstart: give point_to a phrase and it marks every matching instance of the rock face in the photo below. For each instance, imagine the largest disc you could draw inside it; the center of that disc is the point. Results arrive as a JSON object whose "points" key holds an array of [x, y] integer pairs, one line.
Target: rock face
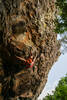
{"points": [[26, 30]]}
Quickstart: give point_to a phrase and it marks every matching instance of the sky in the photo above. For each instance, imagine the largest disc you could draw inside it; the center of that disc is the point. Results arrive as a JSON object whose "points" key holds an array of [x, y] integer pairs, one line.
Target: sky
{"points": [[58, 70]]}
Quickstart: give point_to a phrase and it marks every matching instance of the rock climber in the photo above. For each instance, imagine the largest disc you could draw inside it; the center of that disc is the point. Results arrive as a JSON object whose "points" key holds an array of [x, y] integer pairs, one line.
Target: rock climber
{"points": [[28, 63]]}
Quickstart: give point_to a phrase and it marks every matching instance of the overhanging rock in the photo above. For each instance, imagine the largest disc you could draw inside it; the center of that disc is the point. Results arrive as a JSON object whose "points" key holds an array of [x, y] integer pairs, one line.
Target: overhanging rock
{"points": [[27, 32]]}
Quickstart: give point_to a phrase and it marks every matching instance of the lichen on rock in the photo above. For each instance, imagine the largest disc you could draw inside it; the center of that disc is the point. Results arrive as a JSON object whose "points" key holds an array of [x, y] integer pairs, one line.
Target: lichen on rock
{"points": [[27, 30]]}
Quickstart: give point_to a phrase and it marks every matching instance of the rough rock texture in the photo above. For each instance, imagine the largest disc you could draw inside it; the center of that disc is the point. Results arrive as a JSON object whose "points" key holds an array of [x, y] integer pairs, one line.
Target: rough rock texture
{"points": [[26, 28]]}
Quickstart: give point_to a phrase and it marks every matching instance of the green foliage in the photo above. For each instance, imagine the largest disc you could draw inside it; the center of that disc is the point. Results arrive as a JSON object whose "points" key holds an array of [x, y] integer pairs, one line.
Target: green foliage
{"points": [[61, 22], [60, 92]]}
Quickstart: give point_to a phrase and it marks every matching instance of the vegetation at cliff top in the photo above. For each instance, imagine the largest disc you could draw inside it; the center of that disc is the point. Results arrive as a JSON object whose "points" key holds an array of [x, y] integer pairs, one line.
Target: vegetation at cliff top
{"points": [[60, 92], [61, 22]]}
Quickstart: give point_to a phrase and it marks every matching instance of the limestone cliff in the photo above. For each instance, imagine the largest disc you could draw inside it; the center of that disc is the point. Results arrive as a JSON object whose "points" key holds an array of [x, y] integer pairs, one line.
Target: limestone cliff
{"points": [[26, 30]]}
